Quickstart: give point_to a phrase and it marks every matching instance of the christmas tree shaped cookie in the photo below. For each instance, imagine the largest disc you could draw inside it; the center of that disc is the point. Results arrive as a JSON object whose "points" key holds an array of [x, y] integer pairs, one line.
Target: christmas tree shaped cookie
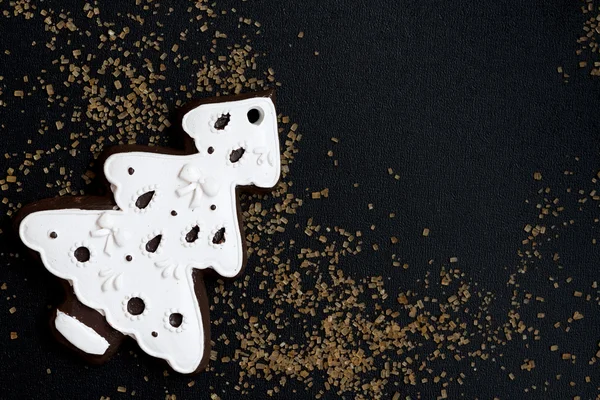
{"points": [[133, 265]]}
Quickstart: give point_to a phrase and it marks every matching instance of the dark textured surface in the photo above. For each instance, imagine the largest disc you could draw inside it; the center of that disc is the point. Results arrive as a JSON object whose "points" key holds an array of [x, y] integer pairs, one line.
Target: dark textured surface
{"points": [[463, 101]]}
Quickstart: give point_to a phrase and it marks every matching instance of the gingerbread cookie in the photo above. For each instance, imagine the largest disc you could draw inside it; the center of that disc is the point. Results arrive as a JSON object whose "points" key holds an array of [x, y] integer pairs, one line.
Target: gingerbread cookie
{"points": [[134, 266]]}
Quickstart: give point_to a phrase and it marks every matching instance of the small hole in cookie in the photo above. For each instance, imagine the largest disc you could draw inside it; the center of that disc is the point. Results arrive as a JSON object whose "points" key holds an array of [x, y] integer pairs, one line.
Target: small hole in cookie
{"points": [[130, 171], [219, 237], [128, 257], [254, 116], [192, 235], [155, 334], [174, 213], [82, 254], [175, 320], [213, 207], [236, 155], [143, 201], [53, 235], [211, 150], [135, 306], [222, 122], [153, 244]]}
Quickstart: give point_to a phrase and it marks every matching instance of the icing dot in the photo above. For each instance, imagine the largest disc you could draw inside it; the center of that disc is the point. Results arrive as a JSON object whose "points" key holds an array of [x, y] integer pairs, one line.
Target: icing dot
{"points": [[175, 319], [254, 116], [173, 213], [236, 155], [128, 257], [136, 306], [53, 235], [155, 334], [219, 237], [211, 150], [82, 254], [192, 235], [130, 171], [143, 201], [213, 207], [222, 121], [153, 244]]}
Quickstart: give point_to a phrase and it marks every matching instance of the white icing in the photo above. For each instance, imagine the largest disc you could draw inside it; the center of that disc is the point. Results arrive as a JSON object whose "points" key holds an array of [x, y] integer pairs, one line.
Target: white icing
{"points": [[80, 335], [261, 152], [110, 280], [188, 185], [171, 268]]}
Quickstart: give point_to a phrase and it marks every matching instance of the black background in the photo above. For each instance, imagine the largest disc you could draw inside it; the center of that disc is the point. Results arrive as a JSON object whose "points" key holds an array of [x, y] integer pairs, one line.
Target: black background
{"points": [[463, 101]]}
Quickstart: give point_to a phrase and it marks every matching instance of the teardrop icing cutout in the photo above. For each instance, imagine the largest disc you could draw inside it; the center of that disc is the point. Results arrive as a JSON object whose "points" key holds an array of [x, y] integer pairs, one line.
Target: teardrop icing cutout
{"points": [[222, 122], [153, 244], [236, 155], [192, 235], [143, 201], [219, 237]]}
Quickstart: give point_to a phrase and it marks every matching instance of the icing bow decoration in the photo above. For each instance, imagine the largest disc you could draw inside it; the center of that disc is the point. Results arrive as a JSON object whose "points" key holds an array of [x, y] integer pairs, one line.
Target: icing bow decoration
{"points": [[198, 183], [108, 228]]}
